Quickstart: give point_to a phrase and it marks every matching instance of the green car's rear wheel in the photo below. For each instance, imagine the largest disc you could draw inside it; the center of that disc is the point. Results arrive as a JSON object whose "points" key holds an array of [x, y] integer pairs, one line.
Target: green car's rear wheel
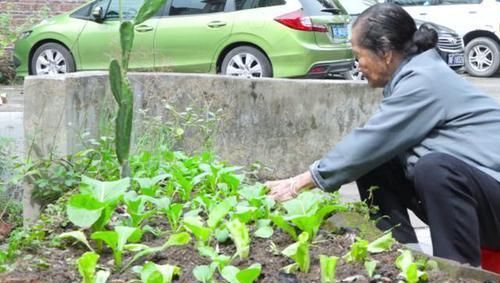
{"points": [[50, 59], [246, 61]]}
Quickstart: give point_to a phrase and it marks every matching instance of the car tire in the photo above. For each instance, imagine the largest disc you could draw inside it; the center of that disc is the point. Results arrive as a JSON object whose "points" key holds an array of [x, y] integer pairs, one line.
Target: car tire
{"points": [[50, 59], [354, 74], [477, 52], [246, 61]]}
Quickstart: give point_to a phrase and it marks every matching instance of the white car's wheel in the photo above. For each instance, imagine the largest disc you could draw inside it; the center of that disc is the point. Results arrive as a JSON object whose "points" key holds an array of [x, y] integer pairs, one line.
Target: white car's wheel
{"points": [[482, 57], [246, 61], [51, 59]]}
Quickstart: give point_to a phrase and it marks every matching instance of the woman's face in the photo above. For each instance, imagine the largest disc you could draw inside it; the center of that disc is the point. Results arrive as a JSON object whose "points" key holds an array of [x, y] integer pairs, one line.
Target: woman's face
{"points": [[376, 68]]}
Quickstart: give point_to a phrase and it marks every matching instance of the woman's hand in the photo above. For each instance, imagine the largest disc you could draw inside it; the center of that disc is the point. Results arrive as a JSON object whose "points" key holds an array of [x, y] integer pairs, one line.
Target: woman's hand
{"points": [[282, 190]]}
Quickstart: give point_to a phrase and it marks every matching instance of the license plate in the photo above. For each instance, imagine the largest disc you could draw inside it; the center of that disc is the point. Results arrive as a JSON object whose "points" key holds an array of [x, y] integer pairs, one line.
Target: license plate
{"points": [[339, 32], [455, 59]]}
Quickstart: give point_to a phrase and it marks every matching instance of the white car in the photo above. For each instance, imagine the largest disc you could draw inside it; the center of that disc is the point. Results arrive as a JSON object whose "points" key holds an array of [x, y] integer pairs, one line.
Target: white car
{"points": [[477, 21]]}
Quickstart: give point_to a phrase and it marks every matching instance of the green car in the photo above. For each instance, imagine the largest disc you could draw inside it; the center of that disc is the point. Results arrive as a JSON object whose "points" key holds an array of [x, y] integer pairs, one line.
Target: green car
{"points": [[250, 38]]}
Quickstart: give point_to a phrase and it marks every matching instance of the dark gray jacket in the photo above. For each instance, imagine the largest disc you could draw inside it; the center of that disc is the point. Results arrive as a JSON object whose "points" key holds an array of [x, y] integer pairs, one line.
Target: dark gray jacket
{"points": [[426, 108]]}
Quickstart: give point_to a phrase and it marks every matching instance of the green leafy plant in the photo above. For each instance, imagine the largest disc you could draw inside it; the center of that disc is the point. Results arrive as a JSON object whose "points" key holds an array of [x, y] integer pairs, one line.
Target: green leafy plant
{"points": [[195, 225], [137, 207], [96, 202], [248, 275], [154, 273], [264, 229], [240, 236], [360, 248], [77, 235], [328, 266], [409, 268], [173, 211], [308, 210], [299, 252], [220, 260], [87, 264], [179, 239], [117, 239], [149, 186], [370, 266], [205, 273]]}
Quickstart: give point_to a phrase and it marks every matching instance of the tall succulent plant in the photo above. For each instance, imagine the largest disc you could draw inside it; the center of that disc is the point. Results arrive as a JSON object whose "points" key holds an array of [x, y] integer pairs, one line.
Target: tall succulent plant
{"points": [[120, 85]]}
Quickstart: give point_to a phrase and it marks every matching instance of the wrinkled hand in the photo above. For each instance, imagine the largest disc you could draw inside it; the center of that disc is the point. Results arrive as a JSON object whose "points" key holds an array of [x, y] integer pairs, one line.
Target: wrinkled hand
{"points": [[282, 190]]}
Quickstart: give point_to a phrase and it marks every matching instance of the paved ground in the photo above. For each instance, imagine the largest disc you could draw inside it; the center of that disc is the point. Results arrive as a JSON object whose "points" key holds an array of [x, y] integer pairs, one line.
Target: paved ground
{"points": [[11, 125]]}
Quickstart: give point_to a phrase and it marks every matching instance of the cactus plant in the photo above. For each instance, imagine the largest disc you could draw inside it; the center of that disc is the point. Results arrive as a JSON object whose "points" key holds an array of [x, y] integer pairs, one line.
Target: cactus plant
{"points": [[120, 85]]}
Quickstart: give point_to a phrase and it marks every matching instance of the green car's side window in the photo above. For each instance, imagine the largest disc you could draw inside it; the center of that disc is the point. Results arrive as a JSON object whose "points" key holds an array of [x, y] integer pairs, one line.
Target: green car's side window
{"points": [[251, 4], [129, 9], [191, 7]]}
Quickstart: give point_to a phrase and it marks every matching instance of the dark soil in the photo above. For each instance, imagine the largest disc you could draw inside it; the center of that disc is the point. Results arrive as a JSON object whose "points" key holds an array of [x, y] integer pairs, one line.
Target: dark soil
{"points": [[58, 265]]}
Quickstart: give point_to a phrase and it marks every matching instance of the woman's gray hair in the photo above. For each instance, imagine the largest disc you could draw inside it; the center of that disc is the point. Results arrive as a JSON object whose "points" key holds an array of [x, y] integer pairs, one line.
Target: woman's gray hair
{"points": [[385, 27]]}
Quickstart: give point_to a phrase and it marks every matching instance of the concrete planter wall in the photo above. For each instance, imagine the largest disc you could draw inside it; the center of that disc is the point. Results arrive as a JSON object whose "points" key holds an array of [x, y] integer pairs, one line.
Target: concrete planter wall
{"points": [[283, 124]]}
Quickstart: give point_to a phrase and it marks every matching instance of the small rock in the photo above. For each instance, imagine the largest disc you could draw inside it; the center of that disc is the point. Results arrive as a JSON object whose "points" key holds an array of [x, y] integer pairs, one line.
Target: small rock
{"points": [[355, 278], [287, 277]]}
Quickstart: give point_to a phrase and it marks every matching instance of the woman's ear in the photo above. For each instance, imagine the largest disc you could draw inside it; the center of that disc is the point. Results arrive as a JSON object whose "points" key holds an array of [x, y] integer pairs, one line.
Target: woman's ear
{"points": [[388, 57]]}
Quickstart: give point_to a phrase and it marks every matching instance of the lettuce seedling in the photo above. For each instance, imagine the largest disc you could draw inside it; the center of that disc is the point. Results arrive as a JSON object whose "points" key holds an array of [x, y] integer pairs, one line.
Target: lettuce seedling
{"points": [[87, 264], [281, 223], [220, 260], [381, 244], [154, 273], [308, 210], [299, 251], [179, 239], [172, 210], [241, 238], [96, 202], [360, 248], [205, 273], [78, 235], [328, 265], [264, 229], [196, 226], [409, 268], [136, 207], [220, 210], [148, 186], [117, 239], [370, 266], [248, 275], [358, 251]]}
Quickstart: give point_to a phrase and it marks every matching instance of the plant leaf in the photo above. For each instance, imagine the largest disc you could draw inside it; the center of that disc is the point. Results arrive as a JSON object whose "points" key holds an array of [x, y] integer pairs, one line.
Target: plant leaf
{"points": [[78, 235], [264, 229], [250, 274], [115, 79], [147, 10], [105, 192], [86, 266], [102, 276], [241, 238], [370, 266], [126, 42], [328, 266], [229, 273], [83, 210], [299, 251], [220, 211], [124, 123], [279, 221], [384, 243]]}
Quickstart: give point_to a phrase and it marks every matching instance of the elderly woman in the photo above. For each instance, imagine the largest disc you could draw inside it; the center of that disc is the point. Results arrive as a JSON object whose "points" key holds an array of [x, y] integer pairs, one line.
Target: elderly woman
{"points": [[433, 145]]}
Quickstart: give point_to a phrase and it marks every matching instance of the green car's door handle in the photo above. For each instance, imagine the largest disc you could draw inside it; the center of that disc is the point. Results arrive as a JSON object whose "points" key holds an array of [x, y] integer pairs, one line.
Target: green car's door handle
{"points": [[216, 24], [143, 28]]}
